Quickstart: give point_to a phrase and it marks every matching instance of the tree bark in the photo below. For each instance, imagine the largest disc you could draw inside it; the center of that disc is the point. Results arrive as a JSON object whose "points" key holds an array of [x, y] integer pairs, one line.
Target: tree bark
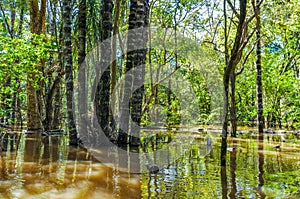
{"points": [[37, 26], [233, 60], [114, 55], [138, 19], [82, 96], [68, 66], [114, 44], [232, 104], [259, 96], [103, 88], [21, 20]]}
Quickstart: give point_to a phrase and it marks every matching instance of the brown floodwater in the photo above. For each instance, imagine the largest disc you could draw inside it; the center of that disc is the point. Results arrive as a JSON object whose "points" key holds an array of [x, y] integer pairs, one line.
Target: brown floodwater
{"points": [[47, 167]]}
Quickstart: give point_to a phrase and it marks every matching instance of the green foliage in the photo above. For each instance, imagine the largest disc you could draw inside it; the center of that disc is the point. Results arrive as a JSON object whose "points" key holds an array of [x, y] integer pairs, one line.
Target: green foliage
{"points": [[18, 57]]}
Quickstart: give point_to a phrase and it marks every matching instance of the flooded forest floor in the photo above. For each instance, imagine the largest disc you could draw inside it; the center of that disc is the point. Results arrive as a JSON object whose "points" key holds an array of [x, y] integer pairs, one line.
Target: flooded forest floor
{"points": [[47, 167]]}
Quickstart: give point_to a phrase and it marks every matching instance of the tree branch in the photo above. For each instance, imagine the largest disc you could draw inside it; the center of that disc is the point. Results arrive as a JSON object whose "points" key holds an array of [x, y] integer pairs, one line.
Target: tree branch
{"points": [[233, 9], [215, 46], [6, 22]]}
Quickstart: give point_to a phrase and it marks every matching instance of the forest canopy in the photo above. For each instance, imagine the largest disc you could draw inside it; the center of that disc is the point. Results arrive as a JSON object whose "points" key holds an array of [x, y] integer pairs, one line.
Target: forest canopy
{"points": [[44, 43]]}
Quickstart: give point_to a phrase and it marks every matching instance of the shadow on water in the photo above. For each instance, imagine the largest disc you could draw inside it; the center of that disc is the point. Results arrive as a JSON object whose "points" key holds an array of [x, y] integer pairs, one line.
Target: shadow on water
{"points": [[46, 167]]}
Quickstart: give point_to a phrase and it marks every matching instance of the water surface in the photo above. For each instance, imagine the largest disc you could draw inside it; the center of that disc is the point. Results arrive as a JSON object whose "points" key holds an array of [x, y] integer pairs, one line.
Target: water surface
{"points": [[48, 168]]}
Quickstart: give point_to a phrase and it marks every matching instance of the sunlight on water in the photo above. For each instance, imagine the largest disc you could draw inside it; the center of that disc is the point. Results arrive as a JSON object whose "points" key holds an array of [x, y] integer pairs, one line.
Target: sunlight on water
{"points": [[48, 168]]}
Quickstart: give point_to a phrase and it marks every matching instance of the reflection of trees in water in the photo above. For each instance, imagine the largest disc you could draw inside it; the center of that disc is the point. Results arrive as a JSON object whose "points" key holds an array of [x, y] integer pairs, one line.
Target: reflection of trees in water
{"points": [[224, 182], [47, 165], [232, 172], [261, 160]]}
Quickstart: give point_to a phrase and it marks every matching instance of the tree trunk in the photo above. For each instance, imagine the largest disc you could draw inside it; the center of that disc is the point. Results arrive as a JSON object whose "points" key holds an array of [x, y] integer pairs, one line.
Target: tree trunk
{"points": [[232, 104], [138, 19], [114, 45], [233, 60], [82, 96], [57, 103], [12, 17], [114, 55], [103, 88], [21, 21], [260, 117], [56, 124], [68, 65], [37, 26]]}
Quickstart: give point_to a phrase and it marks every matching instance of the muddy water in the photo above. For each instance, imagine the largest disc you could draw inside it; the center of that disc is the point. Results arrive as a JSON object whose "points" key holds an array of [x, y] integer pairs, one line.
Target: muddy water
{"points": [[48, 168]]}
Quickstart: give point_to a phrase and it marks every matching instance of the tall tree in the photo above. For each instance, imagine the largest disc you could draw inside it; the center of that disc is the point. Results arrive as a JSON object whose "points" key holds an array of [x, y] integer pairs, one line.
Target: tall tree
{"points": [[260, 117], [68, 66], [34, 95], [137, 39], [231, 61], [103, 89], [53, 119], [114, 44]]}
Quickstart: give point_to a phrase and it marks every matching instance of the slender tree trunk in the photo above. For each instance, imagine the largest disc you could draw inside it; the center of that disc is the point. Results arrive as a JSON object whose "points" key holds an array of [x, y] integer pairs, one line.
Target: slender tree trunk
{"points": [[56, 124], [21, 20], [53, 86], [259, 96], [138, 19], [225, 95], [82, 97], [103, 88], [37, 26], [232, 104], [12, 17], [114, 55], [139, 76], [114, 45], [68, 65], [125, 106], [57, 103], [231, 62], [169, 113]]}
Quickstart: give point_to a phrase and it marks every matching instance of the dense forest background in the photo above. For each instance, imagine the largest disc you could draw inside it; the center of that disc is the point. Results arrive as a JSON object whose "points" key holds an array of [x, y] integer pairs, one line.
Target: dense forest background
{"points": [[243, 53]]}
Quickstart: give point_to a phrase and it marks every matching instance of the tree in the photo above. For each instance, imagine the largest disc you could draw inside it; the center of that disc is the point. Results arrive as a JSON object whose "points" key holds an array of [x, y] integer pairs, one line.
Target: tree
{"points": [[35, 106], [103, 88], [82, 97], [230, 64], [260, 117], [68, 66], [137, 39]]}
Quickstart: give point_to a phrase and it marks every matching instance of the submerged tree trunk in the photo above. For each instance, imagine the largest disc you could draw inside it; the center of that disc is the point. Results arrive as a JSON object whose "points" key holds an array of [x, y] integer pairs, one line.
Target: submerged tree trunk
{"points": [[231, 63], [260, 117], [68, 65], [225, 94]]}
